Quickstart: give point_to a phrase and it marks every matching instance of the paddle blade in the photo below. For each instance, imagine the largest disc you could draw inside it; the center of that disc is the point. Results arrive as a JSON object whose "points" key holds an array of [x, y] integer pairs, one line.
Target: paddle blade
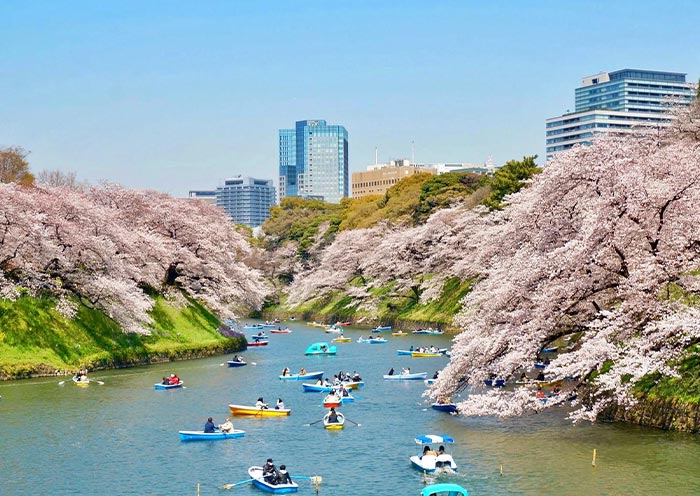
{"points": [[61, 383]]}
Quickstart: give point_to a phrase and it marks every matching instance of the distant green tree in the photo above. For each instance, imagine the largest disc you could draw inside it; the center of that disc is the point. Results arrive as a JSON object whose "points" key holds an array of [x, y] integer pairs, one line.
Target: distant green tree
{"points": [[444, 190], [510, 179]]}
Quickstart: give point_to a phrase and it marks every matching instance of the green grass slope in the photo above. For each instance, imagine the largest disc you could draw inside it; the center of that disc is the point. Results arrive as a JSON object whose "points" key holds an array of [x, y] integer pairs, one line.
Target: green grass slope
{"points": [[36, 340]]}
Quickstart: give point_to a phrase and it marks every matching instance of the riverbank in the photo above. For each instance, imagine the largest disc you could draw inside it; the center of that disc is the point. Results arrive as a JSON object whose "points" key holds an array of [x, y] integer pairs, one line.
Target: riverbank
{"points": [[36, 341]]}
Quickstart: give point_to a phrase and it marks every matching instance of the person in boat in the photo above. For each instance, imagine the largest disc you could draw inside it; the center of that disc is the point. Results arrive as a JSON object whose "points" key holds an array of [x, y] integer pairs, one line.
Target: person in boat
{"points": [[391, 371], [327, 382], [302, 371], [237, 358], [226, 426], [174, 379], [405, 370], [411, 348], [165, 381], [441, 451], [428, 451], [333, 417], [435, 375], [283, 476], [540, 376], [556, 390], [356, 377], [324, 348], [319, 382], [280, 404], [539, 394], [260, 404], [343, 391], [209, 427], [286, 371], [336, 380], [269, 471]]}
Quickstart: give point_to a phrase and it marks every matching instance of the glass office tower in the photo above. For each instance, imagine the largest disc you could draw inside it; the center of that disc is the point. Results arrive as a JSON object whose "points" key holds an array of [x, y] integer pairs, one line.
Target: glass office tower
{"points": [[618, 102], [314, 161]]}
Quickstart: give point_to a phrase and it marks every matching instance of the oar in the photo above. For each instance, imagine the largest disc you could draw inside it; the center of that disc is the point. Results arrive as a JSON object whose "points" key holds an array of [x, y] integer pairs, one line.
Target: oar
{"points": [[314, 478], [61, 383], [229, 486], [312, 423], [358, 425], [99, 382]]}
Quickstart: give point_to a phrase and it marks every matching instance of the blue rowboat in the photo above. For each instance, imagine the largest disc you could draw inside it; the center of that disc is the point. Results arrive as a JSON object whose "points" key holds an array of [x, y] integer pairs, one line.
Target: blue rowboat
{"points": [[256, 474], [320, 348], [403, 352], [444, 407], [407, 377], [317, 388], [254, 327], [377, 341], [433, 332], [302, 377], [444, 490], [234, 363], [551, 349], [209, 436], [381, 328], [169, 386]]}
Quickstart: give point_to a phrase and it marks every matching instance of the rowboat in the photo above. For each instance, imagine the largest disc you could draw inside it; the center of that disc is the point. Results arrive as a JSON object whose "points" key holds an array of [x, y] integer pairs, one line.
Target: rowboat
{"points": [[317, 324], [377, 341], [334, 329], [399, 334], [236, 363], [434, 332], [209, 436], [551, 349], [302, 377], [320, 348], [434, 464], [169, 386], [286, 330], [261, 342], [334, 425], [253, 327], [343, 324], [404, 352], [270, 325], [342, 339], [444, 407], [317, 388], [254, 411], [81, 382], [256, 474], [444, 490], [381, 328], [426, 354], [407, 377], [332, 400], [353, 384]]}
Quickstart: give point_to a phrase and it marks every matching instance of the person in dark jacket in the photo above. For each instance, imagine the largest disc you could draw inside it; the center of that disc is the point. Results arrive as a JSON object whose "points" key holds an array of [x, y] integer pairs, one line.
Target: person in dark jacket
{"points": [[209, 427], [283, 476]]}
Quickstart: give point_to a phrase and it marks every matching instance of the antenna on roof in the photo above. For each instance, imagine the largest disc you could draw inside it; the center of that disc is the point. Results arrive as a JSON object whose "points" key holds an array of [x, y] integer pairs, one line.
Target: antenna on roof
{"points": [[375, 155], [413, 152]]}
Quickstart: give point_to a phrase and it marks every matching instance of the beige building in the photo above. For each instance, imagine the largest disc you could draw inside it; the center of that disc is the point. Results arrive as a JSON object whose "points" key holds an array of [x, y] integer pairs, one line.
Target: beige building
{"points": [[381, 177]]}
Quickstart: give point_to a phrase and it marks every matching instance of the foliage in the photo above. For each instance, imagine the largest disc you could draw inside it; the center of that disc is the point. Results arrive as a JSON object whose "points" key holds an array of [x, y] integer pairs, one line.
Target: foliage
{"points": [[510, 179], [445, 190], [14, 167], [108, 247]]}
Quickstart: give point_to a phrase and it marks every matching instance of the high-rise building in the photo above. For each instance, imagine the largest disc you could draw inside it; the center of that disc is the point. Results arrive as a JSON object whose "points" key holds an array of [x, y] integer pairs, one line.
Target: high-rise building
{"points": [[246, 199], [618, 102], [314, 161], [207, 196]]}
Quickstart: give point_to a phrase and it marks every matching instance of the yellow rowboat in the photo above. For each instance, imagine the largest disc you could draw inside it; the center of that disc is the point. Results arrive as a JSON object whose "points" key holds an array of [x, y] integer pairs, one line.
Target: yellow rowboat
{"points": [[353, 384], [399, 334], [334, 425], [342, 340], [254, 411]]}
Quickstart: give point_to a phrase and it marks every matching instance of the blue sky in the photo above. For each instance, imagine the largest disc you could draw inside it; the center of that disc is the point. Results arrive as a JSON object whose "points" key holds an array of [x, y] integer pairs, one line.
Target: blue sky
{"points": [[177, 95]]}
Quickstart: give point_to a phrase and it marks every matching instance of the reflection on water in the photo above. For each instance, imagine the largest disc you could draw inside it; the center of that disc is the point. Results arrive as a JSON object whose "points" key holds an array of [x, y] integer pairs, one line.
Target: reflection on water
{"points": [[121, 438]]}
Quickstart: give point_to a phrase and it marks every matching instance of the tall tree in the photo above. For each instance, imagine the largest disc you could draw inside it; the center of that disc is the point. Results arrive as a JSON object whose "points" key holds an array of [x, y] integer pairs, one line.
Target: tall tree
{"points": [[14, 167]]}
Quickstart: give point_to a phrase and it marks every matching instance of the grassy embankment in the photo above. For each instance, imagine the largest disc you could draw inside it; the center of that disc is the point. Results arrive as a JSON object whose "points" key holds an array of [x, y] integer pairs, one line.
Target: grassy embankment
{"points": [[36, 340], [399, 309]]}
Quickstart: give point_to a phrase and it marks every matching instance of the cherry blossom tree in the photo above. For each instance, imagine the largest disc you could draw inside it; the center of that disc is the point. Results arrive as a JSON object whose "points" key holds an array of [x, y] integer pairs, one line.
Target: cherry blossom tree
{"points": [[604, 248], [109, 247]]}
